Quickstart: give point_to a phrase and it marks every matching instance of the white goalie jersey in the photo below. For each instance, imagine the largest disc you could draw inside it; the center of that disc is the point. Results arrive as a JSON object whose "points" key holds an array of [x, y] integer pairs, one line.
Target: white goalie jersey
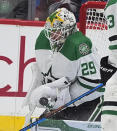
{"points": [[76, 61]]}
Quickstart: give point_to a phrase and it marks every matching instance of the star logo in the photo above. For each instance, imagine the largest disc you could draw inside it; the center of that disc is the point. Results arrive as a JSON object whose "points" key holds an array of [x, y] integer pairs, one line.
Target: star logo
{"points": [[48, 77], [54, 16], [84, 49]]}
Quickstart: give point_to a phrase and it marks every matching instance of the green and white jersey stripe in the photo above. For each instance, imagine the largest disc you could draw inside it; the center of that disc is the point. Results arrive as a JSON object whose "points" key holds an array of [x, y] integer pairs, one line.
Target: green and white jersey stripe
{"points": [[109, 110]]}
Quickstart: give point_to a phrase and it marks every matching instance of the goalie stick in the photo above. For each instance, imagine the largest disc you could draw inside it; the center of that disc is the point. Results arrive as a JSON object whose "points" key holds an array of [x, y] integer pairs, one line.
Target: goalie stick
{"points": [[51, 113]]}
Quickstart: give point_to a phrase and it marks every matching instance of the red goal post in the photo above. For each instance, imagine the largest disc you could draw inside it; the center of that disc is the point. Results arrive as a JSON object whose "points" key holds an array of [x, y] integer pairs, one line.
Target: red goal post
{"points": [[90, 5]]}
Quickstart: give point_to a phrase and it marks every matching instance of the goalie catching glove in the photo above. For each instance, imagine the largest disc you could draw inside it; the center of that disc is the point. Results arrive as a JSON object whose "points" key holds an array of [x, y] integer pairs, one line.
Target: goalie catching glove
{"points": [[52, 95], [49, 96], [106, 70]]}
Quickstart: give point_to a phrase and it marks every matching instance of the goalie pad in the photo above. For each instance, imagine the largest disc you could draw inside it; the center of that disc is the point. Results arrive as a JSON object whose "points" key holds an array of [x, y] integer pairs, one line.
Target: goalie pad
{"points": [[36, 82], [110, 93], [109, 110], [109, 122]]}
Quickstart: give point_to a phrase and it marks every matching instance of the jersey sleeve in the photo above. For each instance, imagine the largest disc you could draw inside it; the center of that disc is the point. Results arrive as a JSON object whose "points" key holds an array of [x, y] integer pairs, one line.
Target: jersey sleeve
{"points": [[88, 72], [111, 16], [89, 65]]}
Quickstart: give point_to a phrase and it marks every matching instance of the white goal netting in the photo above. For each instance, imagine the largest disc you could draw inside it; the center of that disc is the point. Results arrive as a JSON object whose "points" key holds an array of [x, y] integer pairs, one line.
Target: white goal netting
{"points": [[94, 25]]}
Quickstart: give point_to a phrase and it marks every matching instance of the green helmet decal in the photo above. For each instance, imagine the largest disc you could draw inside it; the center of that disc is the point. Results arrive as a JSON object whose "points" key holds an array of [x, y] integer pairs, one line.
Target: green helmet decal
{"points": [[54, 16]]}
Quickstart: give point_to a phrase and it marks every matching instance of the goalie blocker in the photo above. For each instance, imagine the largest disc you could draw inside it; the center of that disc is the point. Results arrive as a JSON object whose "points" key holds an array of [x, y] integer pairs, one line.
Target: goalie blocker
{"points": [[106, 70]]}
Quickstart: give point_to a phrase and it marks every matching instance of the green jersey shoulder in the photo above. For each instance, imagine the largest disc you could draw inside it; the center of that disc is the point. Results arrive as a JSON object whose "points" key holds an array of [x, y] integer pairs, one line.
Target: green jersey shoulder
{"points": [[76, 45], [110, 2], [42, 42]]}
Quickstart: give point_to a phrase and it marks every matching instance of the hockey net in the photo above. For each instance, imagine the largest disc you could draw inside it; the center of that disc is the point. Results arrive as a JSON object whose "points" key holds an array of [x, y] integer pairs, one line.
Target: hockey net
{"points": [[93, 24]]}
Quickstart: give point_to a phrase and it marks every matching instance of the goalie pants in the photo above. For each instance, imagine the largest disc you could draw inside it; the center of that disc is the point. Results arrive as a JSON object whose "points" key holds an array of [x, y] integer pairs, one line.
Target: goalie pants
{"points": [[88, 111], [109, 110]]}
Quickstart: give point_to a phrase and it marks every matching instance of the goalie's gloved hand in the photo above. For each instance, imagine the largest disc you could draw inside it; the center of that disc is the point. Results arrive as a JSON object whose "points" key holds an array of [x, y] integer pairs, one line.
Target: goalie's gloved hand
{"points": [[106, 70]]}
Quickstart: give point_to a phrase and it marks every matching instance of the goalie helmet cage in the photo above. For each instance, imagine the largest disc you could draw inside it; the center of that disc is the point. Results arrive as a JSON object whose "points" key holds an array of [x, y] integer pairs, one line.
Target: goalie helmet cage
{"points": [[93, 24]]}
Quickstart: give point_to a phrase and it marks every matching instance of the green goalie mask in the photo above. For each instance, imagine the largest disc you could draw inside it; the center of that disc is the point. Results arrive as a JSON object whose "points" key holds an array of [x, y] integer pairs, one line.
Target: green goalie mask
{"points": [[59, 25]]}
